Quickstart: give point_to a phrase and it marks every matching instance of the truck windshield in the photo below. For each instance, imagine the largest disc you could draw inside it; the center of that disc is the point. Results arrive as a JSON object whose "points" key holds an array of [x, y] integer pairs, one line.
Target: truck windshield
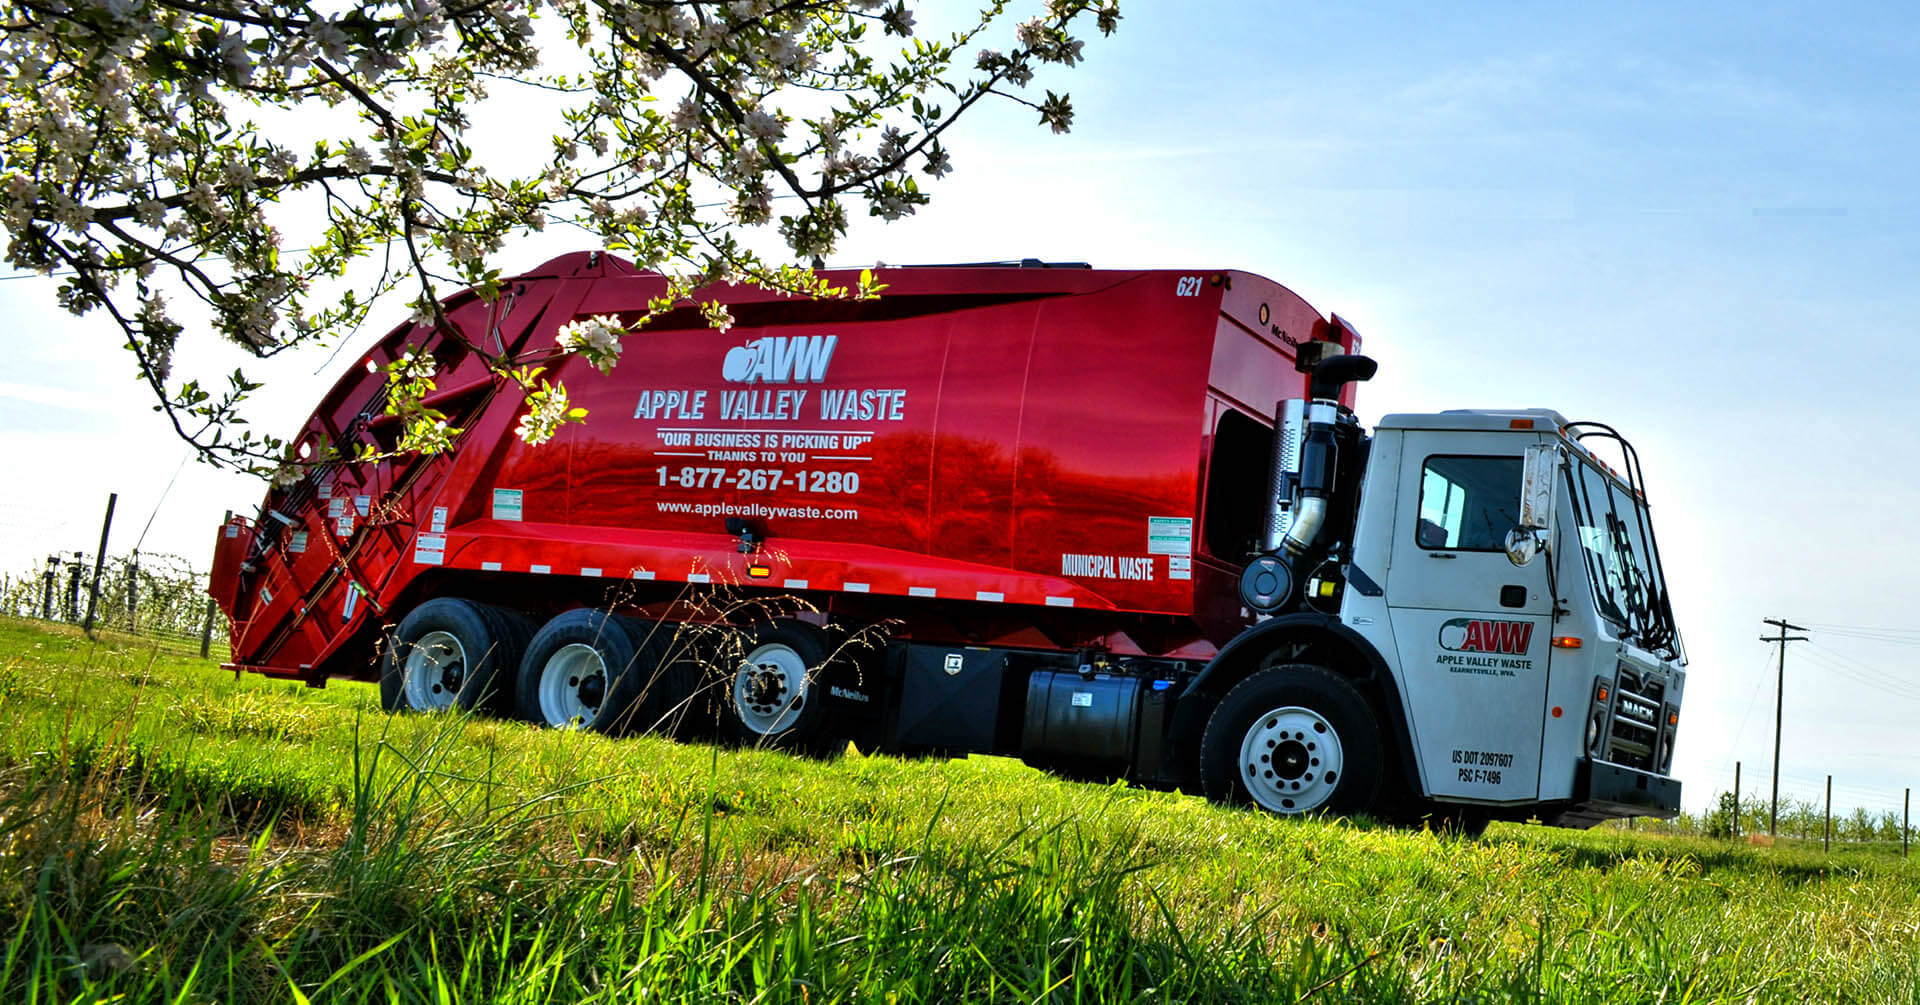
{"points": [[1616, 543]]}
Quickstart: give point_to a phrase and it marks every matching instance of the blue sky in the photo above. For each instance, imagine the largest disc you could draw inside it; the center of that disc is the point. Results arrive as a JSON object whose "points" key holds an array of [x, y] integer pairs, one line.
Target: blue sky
{"points": [[1695, 223]]}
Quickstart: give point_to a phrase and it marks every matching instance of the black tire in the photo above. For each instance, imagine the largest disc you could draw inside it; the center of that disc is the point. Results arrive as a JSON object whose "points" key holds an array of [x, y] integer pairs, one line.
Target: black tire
{"points": [[774, 693], [1293, 722], [1466, 822], [664, 692], [450, 653], [571, 667], [518, 630]]}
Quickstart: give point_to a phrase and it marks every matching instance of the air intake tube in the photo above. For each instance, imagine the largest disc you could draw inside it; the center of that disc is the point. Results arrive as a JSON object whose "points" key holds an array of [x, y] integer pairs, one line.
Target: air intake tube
{"points": [[1319, 461], [1306, 465]]}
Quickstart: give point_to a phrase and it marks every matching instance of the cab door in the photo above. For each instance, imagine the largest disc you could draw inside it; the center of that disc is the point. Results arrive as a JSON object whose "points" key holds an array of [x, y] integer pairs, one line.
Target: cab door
{"points": [[1472, 629]]}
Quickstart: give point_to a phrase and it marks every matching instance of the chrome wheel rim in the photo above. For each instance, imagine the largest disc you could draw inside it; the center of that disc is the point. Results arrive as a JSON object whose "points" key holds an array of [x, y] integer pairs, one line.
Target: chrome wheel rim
{"points": [[770, 688], [435, 670], [573, 685], [1291, 761]]}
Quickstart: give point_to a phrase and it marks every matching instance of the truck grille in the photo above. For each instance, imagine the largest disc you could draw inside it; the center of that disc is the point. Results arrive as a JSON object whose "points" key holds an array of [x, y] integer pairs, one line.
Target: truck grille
{"points": [[1634, 736]]}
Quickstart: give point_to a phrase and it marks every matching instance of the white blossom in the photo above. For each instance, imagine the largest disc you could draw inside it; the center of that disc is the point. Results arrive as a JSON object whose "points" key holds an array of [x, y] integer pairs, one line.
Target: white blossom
{"points": [[763, 127], [596, 339], [546, 410], [898, 19], [938, 163]]}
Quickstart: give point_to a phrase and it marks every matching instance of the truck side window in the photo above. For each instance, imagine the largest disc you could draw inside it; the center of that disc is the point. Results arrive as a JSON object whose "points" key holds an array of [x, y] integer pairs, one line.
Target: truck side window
{"points": [[1468, 503], [1237, 485]]}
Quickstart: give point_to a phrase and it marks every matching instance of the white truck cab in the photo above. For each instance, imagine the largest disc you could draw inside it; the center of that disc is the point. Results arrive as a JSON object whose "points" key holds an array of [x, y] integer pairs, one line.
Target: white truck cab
{"points": [[1526, 681], [1462, 614]]}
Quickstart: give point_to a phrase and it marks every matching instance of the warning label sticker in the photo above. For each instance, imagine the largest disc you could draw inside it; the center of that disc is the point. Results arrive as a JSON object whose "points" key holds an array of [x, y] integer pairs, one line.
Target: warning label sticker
{"points": [[430, 549], [439, 519], [506, 504], [1169, 535]]}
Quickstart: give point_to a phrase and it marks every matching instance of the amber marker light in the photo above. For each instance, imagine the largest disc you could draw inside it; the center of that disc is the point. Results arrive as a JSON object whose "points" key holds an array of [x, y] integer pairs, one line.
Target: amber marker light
{"points": [[1519, 423], [1673, 718], [758, 572], [1566, 641]]}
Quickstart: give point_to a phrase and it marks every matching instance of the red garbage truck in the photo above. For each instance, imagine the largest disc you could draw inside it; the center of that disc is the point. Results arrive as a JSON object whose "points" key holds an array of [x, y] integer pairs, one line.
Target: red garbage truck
{"points": [[1115, 523]]}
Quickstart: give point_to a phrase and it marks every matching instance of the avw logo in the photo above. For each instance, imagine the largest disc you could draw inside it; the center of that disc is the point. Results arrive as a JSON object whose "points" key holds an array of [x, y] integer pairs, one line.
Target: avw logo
{"points": [[780, 359], [1472, 635]]}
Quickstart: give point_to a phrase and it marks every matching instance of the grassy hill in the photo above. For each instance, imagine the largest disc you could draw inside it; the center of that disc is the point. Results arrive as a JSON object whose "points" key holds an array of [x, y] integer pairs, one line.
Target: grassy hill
{"points": [[171, 834]]}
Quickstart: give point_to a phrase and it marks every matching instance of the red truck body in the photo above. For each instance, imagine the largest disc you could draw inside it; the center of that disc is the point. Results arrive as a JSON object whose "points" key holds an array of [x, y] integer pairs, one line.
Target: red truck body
{"points": [[982, 455]]}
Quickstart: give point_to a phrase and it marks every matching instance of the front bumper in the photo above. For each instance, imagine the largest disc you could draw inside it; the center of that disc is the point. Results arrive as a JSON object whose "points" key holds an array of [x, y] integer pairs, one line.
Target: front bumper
{"points": [[1607, 791]]}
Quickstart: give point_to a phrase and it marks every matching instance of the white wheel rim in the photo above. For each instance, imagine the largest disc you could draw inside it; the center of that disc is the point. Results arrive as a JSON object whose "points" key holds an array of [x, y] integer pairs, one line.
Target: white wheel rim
{"points": [[573, 685], [436, 668], [1290, 760], [769, 689]]}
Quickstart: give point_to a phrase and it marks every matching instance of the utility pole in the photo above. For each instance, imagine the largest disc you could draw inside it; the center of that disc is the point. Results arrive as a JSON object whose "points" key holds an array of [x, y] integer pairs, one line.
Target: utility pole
{"points": [[1779, 701]]}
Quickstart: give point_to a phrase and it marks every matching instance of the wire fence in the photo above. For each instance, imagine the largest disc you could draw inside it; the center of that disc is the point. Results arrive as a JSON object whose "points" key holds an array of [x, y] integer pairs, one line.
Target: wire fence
{"points": [[1754, 818], [155, 597]]}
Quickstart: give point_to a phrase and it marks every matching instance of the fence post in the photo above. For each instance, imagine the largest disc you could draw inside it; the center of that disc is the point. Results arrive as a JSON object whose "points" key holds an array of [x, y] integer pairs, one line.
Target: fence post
{"points": [[100, 562], [53, 573], [1736, 800], [73, 587], [1906, 818], [133, 592], [206, 631], [1826, 839]]}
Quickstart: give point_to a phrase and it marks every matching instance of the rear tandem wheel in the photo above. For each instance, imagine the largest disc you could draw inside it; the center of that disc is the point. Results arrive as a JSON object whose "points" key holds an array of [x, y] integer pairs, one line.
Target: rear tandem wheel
{"points": [[451, 653]]}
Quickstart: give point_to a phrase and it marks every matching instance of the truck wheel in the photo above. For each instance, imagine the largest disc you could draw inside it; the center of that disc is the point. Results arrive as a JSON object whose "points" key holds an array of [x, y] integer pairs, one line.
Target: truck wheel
{"points": [[449, 653], [571, 667], [656, 691], [776, 697], [1293, 739], [1458, 821]]}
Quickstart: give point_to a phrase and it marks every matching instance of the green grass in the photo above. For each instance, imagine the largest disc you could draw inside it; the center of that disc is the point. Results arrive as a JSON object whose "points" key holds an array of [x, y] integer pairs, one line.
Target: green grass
{"points": [[168, 833]]}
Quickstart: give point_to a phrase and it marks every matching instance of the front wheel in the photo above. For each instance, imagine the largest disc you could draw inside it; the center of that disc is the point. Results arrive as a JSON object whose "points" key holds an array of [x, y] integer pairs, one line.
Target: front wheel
{"points": [[1293, 739]]}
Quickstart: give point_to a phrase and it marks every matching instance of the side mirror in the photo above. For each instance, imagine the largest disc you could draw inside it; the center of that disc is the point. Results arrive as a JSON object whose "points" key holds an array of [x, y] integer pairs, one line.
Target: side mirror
{"points": [[1537, 472], [1523, 543]]}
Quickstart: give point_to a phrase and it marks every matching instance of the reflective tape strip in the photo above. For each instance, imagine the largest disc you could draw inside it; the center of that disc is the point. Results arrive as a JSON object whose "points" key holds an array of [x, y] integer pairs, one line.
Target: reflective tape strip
{"points": [[699, 577], [919, 591], [990, 595], [1059, 601], [642, 574], [589, 572], [541, 568], [489, 566], [794, 584], [855, 587]]}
